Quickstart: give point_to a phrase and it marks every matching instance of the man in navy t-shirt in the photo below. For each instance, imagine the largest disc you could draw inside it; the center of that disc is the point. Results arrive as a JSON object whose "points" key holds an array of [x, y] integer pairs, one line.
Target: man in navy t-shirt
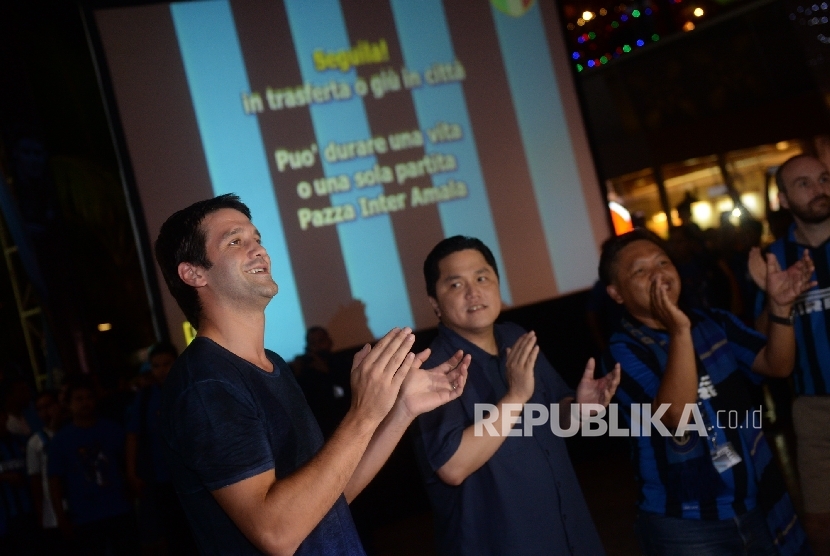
{"points": [[246, 455]]}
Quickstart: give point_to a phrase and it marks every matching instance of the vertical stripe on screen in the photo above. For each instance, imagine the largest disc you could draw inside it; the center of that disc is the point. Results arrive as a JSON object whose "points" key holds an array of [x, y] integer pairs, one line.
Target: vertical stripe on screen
{"points": [[234, 150], [425, 40], [368, 245], [548, 148]]}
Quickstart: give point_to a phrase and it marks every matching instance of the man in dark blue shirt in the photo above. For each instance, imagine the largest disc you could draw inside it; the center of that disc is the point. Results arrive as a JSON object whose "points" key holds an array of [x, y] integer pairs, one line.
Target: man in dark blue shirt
{"points": [[498, 492], [246, 456]]}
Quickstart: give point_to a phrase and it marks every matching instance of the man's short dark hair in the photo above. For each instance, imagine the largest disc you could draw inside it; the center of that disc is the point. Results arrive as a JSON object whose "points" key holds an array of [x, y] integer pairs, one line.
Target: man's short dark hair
{"points": [[160, 348], [611, 249], [779, 173], [447, 247], [182, 240]]}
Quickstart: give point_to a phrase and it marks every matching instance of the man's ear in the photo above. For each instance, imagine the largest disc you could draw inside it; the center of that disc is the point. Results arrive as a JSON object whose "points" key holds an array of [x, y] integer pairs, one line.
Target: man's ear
{"points": [[191, 275], [614, 293], [434, 303], [782, 199]]}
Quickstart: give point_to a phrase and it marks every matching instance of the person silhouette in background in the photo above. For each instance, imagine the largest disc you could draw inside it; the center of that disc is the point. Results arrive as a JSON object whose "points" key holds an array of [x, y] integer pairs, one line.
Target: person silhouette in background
{"points": [[162, 525], [86, 459], [324, 378]]}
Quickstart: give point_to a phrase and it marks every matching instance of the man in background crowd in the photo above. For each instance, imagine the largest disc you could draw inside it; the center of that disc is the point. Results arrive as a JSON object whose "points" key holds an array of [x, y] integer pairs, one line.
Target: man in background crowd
{"points": [[37, 465], [86, 459], [804, 189]]}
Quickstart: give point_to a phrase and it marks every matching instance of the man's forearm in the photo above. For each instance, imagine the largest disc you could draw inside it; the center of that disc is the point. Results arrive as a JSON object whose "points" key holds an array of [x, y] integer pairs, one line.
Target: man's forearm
{"points": [[383, 442], [777, 358], [476, 449], [678, 386]]}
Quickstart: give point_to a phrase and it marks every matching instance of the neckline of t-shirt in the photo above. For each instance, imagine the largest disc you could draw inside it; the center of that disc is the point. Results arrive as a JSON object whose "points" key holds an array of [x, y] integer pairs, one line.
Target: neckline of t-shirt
{"points": [[274, 373]]}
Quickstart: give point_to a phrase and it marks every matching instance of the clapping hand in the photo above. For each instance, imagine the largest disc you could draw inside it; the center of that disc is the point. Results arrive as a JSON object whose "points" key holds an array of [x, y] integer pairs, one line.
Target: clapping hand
{"points": [[425, 389], [784, 286], [597, 390]]}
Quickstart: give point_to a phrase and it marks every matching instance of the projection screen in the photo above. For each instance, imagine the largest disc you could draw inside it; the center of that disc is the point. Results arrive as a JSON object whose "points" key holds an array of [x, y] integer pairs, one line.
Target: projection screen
{"points": [[361, 134]]}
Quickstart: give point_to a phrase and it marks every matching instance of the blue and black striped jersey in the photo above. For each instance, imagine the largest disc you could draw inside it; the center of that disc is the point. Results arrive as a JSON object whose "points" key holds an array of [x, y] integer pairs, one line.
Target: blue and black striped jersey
{"points": [[811, 376]]}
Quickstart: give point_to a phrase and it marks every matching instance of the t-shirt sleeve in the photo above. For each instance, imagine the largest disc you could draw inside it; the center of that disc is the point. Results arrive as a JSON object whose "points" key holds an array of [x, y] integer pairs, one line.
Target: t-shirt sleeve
{"points": [[441, 431], [745, 342], [218, 433]]}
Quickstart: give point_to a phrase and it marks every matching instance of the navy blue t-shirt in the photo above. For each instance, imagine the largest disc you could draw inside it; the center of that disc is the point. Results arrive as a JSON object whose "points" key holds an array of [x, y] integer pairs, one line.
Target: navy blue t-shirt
{"points": [[89, 460], [526, 499], [224, 420]]}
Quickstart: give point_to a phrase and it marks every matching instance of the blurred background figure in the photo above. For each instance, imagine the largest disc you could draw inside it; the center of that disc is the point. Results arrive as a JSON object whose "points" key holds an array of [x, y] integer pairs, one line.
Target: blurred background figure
{"points": [[162, 525], [324, 377], [37, 467], [86, 467], [17, 523]]}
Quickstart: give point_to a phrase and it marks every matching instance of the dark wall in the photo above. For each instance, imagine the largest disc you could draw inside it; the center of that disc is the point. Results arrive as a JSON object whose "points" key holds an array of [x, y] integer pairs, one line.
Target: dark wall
{"points": [[58, 156], [738, 81]]}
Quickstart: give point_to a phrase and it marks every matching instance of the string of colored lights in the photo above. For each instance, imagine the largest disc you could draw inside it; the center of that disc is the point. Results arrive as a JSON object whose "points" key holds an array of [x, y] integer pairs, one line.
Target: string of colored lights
{"points": [[622, 29], [810, 16]]}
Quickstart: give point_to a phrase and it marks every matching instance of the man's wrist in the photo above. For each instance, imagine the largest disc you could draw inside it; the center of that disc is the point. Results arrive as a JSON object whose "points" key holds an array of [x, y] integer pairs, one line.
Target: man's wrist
{"points": [[784, 321], [514, 398], [400, 414], [781, 314]]}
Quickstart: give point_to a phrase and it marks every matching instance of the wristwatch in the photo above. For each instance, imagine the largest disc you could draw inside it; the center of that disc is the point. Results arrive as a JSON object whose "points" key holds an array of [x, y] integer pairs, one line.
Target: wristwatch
{"points": [[785, 321]]}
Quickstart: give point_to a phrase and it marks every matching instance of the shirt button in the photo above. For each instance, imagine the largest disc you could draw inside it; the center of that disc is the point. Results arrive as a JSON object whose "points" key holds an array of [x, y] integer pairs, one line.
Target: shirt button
{"points": [[558, 485], [564, 517]]}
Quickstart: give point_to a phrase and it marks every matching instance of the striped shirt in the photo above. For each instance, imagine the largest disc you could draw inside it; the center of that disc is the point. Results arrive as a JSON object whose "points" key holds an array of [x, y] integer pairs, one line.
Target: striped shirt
{"points": [[811, 376], [677, 477]]}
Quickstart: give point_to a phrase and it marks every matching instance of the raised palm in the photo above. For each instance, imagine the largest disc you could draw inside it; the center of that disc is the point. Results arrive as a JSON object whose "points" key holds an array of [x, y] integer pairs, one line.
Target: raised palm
{"points": [[425, 389], [784, 286]]}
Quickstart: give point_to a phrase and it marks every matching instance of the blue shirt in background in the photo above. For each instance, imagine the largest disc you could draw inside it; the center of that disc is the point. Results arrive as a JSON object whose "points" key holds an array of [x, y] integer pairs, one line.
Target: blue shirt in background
{"points": [[89, 460]]}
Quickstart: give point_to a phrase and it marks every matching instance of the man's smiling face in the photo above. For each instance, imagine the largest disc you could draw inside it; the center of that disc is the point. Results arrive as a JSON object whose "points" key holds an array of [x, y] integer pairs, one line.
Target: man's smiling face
{"points": [[241, 268]]}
